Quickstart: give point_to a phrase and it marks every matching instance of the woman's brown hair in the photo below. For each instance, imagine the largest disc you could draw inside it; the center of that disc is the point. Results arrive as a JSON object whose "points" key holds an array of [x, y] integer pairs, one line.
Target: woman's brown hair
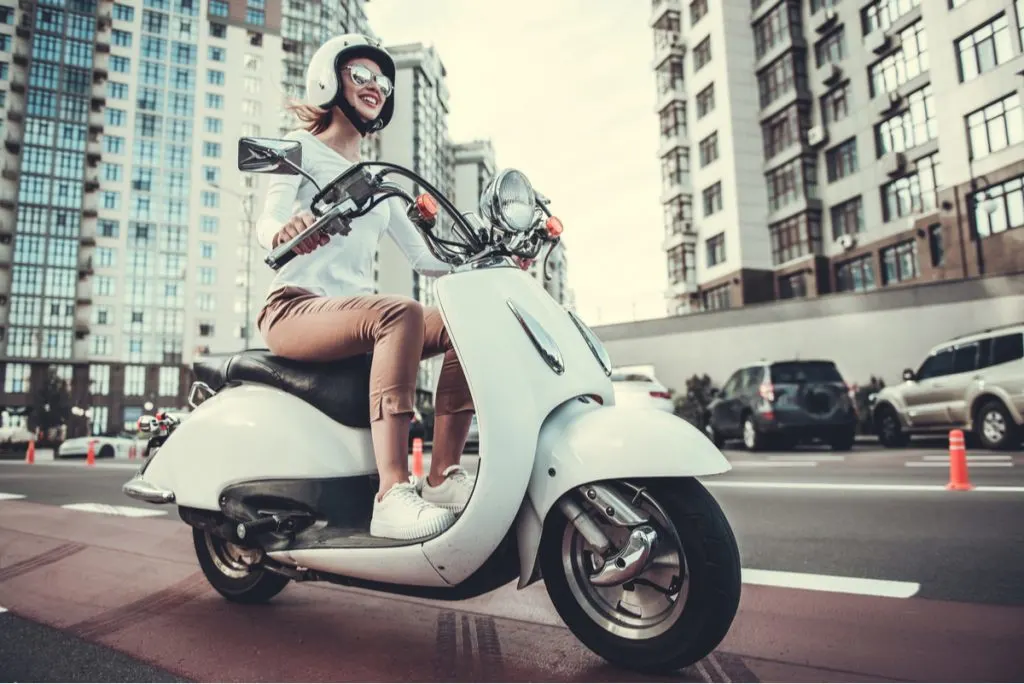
{"points": [[314, 119]]}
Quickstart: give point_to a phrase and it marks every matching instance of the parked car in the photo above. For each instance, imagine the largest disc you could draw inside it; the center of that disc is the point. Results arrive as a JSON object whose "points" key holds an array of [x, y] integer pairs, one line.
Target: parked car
{"points": [[785, 402], [974, 383], [641, 390], [104, 447]]}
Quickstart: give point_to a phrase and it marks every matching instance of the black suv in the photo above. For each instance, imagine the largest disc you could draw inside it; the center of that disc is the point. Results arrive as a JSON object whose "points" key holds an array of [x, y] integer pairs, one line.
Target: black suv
{"points": [[784, 402]]}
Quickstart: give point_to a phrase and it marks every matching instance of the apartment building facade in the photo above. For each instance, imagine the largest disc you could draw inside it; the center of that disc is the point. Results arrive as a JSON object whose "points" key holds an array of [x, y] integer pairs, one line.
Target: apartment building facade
{"points": [[126, 240], [849, 146]]}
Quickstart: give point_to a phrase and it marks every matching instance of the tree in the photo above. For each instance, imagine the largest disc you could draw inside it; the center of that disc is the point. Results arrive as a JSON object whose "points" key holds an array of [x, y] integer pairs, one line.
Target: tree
{"points": [[51, 405], [692, 405]]}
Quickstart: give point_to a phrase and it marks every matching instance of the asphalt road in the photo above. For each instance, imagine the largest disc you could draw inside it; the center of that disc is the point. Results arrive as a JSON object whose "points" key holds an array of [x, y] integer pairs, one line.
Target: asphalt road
{"points": [[862, 538]]}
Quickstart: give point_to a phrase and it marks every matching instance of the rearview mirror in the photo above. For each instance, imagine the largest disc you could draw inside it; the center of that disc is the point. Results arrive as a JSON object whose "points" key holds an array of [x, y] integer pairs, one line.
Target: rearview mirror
{"points": [[270, 155], [908, 375]]}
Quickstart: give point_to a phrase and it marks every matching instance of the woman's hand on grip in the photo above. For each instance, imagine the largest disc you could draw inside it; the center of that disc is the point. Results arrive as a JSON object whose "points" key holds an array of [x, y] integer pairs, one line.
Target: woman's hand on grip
{"points": [[294, 227]]}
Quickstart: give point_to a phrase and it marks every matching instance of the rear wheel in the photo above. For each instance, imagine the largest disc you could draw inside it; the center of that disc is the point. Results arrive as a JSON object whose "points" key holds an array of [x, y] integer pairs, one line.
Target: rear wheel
{"points": [[752, 439], [995, 427], [683, 604], [234, 571], [887, 427]]}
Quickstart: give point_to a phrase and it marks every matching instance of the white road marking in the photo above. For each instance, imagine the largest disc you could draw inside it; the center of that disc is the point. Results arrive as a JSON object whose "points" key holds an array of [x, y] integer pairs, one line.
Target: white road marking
{"points": [[2, 609], [831, 583], [126, 511], [774, 464], [808, 457], [4, 496], [933, 464], [853, 486], [980, 457]]}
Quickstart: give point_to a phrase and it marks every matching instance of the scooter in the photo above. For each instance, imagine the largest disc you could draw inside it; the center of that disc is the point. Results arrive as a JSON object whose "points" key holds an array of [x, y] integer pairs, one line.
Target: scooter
{"points": [[274, 467]]}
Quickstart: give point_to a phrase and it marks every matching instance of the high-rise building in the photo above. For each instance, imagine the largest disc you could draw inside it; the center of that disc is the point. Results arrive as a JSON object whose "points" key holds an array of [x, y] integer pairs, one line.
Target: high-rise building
{"points": [[125, 228], [837, 146]]}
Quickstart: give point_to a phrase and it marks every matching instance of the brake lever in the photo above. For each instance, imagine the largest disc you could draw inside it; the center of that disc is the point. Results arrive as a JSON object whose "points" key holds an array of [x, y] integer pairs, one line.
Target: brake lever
{"points": [[331, 222]]}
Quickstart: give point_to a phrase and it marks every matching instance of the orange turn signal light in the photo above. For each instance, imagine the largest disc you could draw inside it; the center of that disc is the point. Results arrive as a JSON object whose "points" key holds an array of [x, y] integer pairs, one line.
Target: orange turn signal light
{"points": [[554, 226], [426, 206]]}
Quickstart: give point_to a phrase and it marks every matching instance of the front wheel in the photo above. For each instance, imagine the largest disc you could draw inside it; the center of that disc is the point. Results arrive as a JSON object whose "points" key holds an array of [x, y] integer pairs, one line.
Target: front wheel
{"points": [[674, 613], [234, 571]]}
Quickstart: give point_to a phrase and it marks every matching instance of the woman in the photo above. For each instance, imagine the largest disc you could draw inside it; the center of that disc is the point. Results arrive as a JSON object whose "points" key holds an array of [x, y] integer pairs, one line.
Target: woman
{"points": [[322, 305]]}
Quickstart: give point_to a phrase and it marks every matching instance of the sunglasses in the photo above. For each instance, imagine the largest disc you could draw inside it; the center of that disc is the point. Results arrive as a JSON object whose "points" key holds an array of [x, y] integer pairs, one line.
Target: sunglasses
{"points": [[362, 75]]}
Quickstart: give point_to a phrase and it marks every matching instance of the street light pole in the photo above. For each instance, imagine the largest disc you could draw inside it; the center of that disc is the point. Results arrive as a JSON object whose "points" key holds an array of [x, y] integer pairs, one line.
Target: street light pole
{"points": [[247, 200]]}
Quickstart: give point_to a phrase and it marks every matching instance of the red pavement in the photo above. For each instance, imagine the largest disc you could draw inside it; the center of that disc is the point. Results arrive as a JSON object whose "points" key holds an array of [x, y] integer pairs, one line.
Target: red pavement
{"points": [[133, 584]]}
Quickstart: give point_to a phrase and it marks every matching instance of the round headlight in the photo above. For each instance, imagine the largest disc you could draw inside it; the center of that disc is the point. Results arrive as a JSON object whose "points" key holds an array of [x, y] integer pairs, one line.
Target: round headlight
{"points": [[509, 201]]}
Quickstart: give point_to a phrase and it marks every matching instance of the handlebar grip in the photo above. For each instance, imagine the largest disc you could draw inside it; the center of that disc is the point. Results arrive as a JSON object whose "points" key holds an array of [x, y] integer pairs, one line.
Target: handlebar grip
{"points": [[284, 253]]}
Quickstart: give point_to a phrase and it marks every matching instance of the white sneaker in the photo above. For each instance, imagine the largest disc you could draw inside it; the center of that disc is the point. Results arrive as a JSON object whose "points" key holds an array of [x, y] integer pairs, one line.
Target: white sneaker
{"points": [[452, 494], [403, 514]]}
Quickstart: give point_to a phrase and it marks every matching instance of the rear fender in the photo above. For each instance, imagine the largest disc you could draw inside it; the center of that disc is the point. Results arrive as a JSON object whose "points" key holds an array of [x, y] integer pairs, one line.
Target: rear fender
{"points": [[583, 442]]}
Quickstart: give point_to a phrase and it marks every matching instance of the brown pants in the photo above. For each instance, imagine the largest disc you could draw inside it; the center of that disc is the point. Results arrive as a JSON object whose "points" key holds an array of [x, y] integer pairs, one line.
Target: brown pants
{"points": [[303, 326]]}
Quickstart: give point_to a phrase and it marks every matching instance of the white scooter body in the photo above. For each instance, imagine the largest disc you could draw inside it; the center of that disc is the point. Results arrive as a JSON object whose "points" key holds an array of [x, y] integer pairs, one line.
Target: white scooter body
{"points": [[538, 438]]}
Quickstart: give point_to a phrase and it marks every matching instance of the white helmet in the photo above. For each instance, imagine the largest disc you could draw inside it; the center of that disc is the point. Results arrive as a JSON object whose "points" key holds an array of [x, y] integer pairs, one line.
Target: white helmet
{"points": [[323, 86]]}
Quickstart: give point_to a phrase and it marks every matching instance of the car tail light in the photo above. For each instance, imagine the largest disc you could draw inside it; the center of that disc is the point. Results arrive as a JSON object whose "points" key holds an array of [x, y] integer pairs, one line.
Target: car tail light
{"points": [[661, 395], [767, 391]]}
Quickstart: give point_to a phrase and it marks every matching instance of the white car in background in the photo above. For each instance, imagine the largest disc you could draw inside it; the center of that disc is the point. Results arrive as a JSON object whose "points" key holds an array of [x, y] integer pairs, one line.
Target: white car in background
{"points": [[638, 389], [104, 447]]}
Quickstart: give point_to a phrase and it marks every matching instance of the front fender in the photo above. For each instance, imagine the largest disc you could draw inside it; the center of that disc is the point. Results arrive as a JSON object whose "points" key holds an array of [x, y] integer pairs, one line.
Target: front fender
{"points": [[583, 442]]}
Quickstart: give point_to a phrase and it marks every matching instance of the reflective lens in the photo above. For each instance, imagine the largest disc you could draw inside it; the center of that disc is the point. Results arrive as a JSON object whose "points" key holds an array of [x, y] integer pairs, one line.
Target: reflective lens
{"points": [[362, 75], [515, 201]]}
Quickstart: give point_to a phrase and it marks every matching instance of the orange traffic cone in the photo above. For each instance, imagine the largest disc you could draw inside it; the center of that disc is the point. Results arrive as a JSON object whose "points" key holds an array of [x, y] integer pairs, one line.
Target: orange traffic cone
{"points": [[958, 479], [30, 455], [417, 457], [131, 453], [90, 457]]}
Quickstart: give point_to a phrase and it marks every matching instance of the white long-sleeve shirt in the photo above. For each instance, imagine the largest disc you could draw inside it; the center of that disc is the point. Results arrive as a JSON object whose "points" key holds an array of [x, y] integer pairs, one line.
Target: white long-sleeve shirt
{"points": [[344, 266]]}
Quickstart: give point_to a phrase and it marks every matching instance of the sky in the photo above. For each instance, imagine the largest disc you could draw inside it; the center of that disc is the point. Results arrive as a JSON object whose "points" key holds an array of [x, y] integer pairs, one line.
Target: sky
{"points": [[566, 93]]}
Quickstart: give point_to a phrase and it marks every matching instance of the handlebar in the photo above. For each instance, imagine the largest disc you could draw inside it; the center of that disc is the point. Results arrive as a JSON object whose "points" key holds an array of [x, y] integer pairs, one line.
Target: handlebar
{"points": [[283, 253]]}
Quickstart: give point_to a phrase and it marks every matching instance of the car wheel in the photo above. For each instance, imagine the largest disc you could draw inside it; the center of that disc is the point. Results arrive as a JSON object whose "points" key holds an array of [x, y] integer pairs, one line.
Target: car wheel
{"points": [[752, 439], [995, 427], [887, 427]]}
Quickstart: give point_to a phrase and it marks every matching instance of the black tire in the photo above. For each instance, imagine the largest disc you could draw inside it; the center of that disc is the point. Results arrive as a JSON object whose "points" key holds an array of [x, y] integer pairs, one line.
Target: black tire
{"points": [[994, 411], [713, 594], [257, 585], [887, 427], [106, 452], [757, 439]]}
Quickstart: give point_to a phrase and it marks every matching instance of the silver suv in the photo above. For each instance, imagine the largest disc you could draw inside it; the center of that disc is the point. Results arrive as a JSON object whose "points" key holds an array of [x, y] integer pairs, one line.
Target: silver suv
{"points": [[973, 382]]}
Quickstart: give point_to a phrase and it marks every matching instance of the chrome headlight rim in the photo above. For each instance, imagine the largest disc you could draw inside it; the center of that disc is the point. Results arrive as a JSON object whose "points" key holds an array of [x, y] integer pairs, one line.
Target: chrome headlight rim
{"points": [[491, 205]]}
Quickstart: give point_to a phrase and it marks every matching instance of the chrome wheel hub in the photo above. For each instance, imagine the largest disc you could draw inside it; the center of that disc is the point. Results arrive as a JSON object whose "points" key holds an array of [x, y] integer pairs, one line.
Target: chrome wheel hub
{"points": [[651, 602], [231, 560], [993, 426], [749, 436]]}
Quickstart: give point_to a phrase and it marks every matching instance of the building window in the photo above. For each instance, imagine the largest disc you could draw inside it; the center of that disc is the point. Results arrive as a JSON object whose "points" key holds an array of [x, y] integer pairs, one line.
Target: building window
{"points": [[935, 245], [706, 101], [715, 249], [17, 378], [792, 182], [99, 380], [784, 130], [881, 14], [856, 275], [899, 263], [847, 217], [903, 65], [782, 76], [1020, 19], [169, 381], [712, 197], [985, 48], [795, 237], [996, 127], [673, 121], [915, 126], [709, 149], [914, 193], [793, 286], [717, 298], [702, 54], [678, 215], [682, 264], [670, 76], [698, 8], [775, 27], [841, 160], [134, 381], [674, 168], [999, 208], [831, 49], [218, 8]]}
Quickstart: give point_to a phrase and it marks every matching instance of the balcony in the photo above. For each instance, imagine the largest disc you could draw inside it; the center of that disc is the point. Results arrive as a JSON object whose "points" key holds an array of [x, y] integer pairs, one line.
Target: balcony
{"points": [[667, 44], [824, 19], [829, 73], [83, 293], [679, 288], [660, 8], [686, 236]]}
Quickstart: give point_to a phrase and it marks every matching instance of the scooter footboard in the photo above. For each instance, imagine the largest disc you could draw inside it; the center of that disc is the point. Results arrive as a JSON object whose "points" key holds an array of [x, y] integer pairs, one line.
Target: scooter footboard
{"points": [[583, 442]]}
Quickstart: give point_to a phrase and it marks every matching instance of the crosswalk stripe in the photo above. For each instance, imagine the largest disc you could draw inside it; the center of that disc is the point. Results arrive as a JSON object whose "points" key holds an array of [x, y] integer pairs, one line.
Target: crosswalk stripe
{"points": [[126, 511]]}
